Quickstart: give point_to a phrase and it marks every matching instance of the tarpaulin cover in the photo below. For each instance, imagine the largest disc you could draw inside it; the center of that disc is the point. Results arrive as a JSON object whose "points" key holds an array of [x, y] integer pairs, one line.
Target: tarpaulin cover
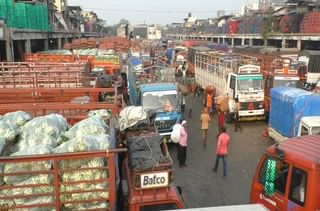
{"points": [[135, 61], [288, 105], [145, 152]]}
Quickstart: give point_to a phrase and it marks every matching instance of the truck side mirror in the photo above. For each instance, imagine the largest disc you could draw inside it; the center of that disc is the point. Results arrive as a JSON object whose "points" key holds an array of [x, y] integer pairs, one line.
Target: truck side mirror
{"points": [[270, 173]]}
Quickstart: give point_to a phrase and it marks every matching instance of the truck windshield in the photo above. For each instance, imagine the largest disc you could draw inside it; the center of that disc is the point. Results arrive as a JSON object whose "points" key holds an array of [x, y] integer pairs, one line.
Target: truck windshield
{"points": [[249, 83], [315, 131], [165, 100], [289, 83]]}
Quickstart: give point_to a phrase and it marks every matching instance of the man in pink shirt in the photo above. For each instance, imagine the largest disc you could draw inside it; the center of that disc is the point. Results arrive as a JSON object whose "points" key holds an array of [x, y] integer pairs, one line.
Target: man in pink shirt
{"points": [[182, 152], [222, 151]]}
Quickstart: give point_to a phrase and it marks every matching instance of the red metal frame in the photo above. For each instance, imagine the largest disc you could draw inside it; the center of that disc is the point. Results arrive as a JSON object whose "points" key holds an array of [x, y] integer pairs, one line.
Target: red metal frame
{"points": [[43, 101], [48, 95], [73, 112], [26, 75], [56, 171]]}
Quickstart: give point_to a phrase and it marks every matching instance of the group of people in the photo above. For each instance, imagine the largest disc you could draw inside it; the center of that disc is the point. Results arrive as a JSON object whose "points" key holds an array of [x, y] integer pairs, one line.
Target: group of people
{"points": [[223, 137]]}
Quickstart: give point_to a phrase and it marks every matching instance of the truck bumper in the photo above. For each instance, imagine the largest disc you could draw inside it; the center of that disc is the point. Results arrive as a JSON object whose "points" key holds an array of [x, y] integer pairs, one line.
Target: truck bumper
{"points": [[273, 134], [251, 115]]}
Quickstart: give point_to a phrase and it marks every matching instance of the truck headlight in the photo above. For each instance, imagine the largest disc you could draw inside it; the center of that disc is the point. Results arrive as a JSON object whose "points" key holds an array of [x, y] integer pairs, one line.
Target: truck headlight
{"points": [[261, 105]]}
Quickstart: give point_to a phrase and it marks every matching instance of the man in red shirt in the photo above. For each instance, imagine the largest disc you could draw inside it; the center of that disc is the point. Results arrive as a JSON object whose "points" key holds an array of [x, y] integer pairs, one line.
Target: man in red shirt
{"points": [[222, 151]]}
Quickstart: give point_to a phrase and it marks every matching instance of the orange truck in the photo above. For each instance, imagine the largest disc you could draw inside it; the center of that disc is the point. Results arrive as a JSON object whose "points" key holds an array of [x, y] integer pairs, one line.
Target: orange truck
{"points": [[277, 72], [288, 175]]}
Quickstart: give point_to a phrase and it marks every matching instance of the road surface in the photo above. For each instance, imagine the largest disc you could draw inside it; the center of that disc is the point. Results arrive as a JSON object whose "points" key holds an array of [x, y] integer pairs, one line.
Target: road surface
{"points": [[203, 188]]}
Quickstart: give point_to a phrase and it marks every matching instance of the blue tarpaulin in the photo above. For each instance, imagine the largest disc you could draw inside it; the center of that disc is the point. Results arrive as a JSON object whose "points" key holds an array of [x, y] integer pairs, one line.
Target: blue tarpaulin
{"points": [[288, 105], [135, 61]]}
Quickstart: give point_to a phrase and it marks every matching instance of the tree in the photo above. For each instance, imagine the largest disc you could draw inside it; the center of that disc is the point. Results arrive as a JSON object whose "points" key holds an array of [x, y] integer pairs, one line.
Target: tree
{"points": [[123, 22]]}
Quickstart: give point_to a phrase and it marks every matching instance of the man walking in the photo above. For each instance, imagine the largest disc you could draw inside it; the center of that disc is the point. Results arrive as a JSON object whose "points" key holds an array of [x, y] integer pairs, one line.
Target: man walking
{"points": [[205, 120], [222, 151], [236, 116], [182, 153]]}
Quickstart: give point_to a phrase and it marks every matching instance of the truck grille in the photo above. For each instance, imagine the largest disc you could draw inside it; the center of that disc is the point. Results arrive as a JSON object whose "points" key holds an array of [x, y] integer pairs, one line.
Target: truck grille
{"points": [[165, 125], [251, 105]]}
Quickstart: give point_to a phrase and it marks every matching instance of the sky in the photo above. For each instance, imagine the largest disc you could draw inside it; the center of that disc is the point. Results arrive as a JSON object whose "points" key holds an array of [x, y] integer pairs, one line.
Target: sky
{"points": [[156, 11]]}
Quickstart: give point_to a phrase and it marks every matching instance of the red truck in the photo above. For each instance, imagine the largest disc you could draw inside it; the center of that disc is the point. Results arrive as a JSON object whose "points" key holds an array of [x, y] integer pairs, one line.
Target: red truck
{"points": [[64, 186], [146, 185], [149, 188], [288, 175]]}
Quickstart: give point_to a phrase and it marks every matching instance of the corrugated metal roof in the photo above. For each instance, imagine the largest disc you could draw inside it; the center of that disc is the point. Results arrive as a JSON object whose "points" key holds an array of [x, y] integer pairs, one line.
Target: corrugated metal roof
{"points": [[201, 48], [304, 149]]}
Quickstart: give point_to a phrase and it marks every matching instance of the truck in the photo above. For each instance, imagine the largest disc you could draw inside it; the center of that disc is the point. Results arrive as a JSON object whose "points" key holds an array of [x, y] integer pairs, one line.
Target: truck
{"points": [[279, 71], [311, 60], [81, 179], [191, 59], [234, 75], [96, 179], [155, 90], [293, 112], [147, 183], [288, 175]]}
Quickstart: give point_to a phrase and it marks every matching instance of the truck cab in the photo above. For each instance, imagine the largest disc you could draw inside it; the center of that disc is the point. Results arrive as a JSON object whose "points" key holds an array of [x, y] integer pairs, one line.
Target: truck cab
{"points": [[246, 85], [309, 125], [156, 194], [312, 72], [281, 72], [155, 95], [288, 175], [164, 100], [148, 187]]}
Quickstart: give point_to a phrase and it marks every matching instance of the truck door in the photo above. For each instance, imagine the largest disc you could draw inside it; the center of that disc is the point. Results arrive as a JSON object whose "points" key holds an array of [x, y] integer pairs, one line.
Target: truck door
{"points": [[298, 189], [231, 90], [270, 182]]}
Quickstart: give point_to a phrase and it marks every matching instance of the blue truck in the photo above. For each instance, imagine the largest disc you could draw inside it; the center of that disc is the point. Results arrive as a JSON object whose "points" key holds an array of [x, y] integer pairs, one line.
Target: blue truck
{"points": [[149, 88], [293, 112]]}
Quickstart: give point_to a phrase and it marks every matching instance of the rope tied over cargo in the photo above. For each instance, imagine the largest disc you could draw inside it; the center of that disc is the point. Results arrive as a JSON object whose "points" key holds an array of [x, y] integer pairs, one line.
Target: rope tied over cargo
{"points": [[151, 153]]}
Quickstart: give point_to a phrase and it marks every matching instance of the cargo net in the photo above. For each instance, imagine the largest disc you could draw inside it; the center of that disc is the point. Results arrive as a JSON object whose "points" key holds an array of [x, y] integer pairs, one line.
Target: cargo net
{"points": [[148, 153], [82, 182]]}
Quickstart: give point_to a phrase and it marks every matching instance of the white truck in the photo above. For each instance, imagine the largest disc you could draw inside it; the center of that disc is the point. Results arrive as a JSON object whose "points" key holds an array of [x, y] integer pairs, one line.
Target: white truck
{"points": [[311, 61], [235, 75]]}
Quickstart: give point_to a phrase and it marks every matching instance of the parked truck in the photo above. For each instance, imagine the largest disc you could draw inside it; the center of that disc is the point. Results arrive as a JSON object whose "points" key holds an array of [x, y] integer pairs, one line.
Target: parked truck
{"points": [[288, 175], [235, 75], [89, 180], [311, 60], [277, 72], [150, 89], [293, 112]]}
